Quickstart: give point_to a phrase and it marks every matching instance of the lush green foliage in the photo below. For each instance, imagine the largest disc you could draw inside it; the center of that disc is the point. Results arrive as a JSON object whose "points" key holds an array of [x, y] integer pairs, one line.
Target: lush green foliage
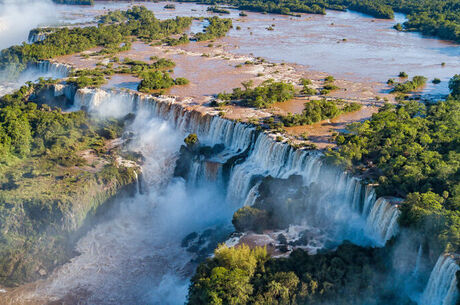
{"points": [[217, 10], [243, 276], [454, 86], [409, 86], [155, 80], [318, 110], [55, 169], [112, 35], [89, 77], [261, 96], [175, 42], [413, 151], [217, 28], [250, 219]]}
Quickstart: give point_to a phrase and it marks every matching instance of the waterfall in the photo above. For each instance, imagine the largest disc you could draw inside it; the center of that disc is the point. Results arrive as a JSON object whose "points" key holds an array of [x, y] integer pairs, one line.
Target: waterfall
{"points": [[46, 68], [138, 183], [252, 195], [36, 37], [382, 219], [343, 199], [11, 82], [418, 260], [442, 285]]}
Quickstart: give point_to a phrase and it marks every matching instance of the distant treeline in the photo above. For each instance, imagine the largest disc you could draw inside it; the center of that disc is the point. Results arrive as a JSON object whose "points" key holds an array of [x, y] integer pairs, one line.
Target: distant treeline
{"points": [[76, 2], [439, 18]]}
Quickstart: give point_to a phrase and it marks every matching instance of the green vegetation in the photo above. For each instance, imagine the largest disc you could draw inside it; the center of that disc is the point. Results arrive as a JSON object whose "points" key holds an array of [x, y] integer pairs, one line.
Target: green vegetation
{"points": [[217, 10], [262, 96], [184, 39], [55, 172], [217, 28], [318, 110], [89, 77], [454, 86], [412, 150], [436, 17], [113, 35], [137, 67], [97, 77], [250, 219], [243, 276], [416, 83], [155, 80], [328, 85], [191, 139]]}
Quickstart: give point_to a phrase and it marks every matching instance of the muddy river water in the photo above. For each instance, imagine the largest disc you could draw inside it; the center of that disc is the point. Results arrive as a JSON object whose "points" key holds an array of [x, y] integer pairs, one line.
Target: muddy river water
{"points": [[348, 45]]}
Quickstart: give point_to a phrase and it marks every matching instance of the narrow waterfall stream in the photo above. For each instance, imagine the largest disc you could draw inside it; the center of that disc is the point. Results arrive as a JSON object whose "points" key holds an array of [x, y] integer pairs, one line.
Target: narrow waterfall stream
{"points": [[442, 285]]}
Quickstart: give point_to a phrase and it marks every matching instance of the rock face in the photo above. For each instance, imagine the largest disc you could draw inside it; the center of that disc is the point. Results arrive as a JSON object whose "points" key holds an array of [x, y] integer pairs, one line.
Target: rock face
{"points": [[240, 157], [46, 206], [39, 227]]}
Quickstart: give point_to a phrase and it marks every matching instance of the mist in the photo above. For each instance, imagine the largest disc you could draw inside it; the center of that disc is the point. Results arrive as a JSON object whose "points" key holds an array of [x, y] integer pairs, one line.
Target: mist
{"points": [[135, 256], [18, 17]]}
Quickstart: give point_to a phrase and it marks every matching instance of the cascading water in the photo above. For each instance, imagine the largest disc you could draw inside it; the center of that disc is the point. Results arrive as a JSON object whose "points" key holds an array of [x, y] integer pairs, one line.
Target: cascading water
{"points": [[382, 220], [348, 203], [33, 72], [36, 37], [136, 256], [45, 68], [442, 285], [168, 206]]}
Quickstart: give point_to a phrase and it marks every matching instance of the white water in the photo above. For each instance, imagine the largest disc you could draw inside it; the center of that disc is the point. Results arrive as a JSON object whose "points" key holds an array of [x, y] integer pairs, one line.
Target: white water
{"points": [[45, 69], [136, 257], [342, 200], [442, 285], [382, 219]]}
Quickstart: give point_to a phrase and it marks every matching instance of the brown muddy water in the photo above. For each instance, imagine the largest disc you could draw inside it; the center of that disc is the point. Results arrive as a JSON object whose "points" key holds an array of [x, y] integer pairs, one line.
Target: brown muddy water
{"points": [[350, 45]]}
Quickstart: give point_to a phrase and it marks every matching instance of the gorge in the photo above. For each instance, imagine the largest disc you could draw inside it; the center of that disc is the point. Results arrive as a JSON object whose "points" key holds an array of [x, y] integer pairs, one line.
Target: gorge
{"points": [[216, 186], [121, 184]]}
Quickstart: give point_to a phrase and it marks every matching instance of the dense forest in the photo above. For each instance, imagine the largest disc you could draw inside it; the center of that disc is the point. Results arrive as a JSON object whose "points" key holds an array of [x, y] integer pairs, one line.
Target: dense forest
{"points": [[55, 169], [439, 18], [239, 275], [413, 150], [318, 110]]}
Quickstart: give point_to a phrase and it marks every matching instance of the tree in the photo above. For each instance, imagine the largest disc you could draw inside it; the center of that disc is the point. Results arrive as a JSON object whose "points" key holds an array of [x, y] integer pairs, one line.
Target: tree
{"points": [[454, 85]]}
